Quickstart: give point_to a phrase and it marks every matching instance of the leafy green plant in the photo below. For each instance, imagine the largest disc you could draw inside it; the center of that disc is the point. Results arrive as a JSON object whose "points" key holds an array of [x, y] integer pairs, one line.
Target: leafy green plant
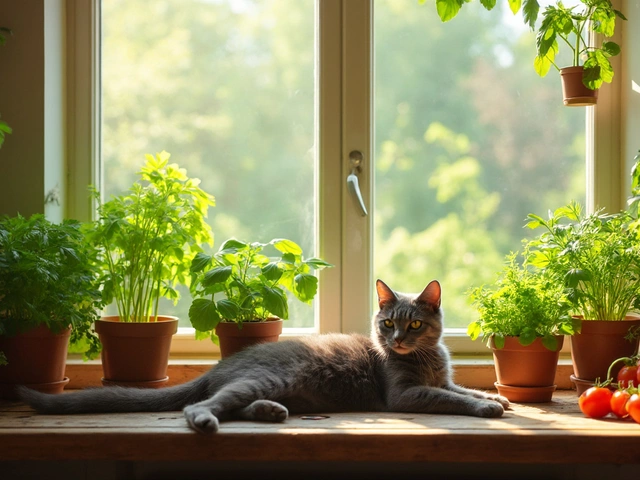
{"points": [[47, 277], [571, 25], [252, 285], [148, 238], [562, 25], [596, 257], [523, 303]]}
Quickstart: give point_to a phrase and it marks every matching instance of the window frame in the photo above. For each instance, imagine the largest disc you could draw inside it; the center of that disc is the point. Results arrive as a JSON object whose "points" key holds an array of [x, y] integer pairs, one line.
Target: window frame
{"points": [[344, 38]]}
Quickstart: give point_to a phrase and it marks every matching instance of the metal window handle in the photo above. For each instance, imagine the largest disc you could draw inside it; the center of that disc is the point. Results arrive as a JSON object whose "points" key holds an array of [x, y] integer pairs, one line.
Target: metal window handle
{"points": [[355, 159]]}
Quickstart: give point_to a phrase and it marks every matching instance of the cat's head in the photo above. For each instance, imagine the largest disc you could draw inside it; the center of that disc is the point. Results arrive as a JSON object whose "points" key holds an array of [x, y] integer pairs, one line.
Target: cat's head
{"points": [[406, 323]]}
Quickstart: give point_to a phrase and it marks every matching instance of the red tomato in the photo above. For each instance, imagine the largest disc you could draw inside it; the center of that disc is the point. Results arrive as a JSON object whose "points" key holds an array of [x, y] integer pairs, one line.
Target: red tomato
{"points": [[628, 374], [633, 407], [619, 403], [596, 402]]}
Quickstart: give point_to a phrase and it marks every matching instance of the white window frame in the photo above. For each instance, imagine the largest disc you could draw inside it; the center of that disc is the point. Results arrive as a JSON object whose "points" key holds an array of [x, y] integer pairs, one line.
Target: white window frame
{"points": [[345, 119]]}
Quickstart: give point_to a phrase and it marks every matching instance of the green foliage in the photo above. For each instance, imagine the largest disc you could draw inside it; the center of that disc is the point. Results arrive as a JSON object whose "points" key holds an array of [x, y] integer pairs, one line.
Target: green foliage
{"points": [[596, 257], [522, 303], [47, 278], [149, 237], [568, 25], [253, 286]]}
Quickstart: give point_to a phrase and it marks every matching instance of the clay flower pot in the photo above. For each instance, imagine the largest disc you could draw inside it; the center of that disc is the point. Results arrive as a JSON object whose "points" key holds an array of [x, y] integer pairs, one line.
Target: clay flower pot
{"points": [[574, 92], [526, 373], [234, 339], [597, 345], [37, 358], [136, 354]]}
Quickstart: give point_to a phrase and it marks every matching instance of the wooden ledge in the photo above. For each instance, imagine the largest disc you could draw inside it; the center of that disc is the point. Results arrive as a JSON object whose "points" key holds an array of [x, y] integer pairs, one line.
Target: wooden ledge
{"points": [[472, 372], [555, 432]]}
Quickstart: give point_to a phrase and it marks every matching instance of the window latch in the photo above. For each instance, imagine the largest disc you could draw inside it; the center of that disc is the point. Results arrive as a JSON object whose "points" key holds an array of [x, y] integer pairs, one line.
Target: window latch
{"points": [[355, 160]]}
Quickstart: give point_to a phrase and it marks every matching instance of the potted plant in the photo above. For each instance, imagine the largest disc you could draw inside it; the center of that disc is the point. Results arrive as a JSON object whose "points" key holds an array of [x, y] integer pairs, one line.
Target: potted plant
{"points": [[251, 290], [147, 238], [597, 258], [47, 295], [569, 26], [590, 63], [523, 318]]}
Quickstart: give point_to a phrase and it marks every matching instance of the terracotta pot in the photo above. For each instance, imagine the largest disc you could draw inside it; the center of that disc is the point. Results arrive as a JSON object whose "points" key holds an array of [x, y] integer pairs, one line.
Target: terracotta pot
{"points": [[37, 358], [574, 92], [136, 354], [234, 339], [526, 394], [598, 344], [530, 366]]}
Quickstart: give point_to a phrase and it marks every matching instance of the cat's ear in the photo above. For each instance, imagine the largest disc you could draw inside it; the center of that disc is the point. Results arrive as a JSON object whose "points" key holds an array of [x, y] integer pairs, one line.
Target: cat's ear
{"points": [[386, 296], [431, 295]]}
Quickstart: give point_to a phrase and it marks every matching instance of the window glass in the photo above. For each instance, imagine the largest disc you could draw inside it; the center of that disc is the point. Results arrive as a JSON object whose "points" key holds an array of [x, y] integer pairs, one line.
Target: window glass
{"points": [[227, 87], [468, 141]]}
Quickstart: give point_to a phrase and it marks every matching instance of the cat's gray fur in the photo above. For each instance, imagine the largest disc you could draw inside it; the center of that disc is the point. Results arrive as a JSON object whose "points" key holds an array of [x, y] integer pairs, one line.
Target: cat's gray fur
{"points": [[398, 369]]}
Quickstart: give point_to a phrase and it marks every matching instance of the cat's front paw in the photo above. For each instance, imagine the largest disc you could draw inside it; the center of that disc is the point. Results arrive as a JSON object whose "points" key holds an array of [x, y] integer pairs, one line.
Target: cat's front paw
{"points": [[201, 419], [504, 401], [490, 409]]}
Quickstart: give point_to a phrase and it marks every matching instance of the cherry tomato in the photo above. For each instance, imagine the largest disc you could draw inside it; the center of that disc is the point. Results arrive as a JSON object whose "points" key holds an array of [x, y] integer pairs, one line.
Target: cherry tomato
{"points": [[628, 374], [596, 402], [633, 407], [619, 403]]}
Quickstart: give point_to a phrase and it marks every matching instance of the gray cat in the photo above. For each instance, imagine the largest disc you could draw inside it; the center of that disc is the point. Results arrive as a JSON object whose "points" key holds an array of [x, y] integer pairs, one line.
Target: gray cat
{"points": [[403, 367]]}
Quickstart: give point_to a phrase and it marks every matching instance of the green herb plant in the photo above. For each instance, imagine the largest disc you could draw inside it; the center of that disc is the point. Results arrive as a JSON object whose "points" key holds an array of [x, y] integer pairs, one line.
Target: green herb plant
{"points": [[249, 285], [148, 238], [561, 25], [595, 256], [48, 277], [523, 303]]}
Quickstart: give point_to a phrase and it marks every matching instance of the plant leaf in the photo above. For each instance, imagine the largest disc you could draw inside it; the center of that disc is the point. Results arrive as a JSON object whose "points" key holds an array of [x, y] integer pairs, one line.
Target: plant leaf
{"points": [[448, 9], [530, 11], [272, 271], [498, 341], [474, 330], [228, 309], [306, 287], [203, 314], [200, 262], [216, 275], [550, 342], [275, 301], [287, 246]]}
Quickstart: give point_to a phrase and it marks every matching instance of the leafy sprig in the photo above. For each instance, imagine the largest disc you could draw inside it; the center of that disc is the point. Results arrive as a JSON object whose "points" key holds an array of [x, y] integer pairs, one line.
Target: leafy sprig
{"points": [[47, 277], [523, 303], [596, 257], [239, 283], [149, 236]]}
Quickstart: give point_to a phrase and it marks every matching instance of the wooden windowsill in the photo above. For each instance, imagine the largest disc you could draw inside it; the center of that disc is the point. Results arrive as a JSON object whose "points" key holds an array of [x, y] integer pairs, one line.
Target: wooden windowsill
{"points": [[550, 433], [471, 371]]}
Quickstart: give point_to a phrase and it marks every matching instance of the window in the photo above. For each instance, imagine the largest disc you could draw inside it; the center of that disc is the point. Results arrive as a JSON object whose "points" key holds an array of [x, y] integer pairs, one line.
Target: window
{"points": [[315, 79]]}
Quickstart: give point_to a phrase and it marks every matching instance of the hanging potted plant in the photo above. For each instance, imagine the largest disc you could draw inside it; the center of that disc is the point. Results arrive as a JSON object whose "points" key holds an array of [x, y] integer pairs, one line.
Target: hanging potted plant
{"points": [[590, 66], [240, 294], [569, 26], [48, 294], [524, 316], [147, 238], [597, 258]]}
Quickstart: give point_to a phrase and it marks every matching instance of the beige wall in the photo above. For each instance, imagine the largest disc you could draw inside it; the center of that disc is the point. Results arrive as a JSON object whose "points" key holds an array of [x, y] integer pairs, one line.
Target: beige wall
{"points": [[31, 102], [631, 84]]}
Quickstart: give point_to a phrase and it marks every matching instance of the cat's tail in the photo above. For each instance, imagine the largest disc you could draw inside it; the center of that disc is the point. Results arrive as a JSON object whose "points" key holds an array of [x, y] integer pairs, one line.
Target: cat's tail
{"points": [[117, 399]]}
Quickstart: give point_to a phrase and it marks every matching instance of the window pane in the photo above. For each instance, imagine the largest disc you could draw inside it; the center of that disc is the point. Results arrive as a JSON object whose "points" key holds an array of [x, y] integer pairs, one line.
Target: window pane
{"points": [[468, 141], [226, 87]]}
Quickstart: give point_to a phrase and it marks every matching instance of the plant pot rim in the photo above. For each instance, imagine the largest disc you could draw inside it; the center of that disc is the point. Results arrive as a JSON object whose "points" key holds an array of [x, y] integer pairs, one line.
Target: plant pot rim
{"points": [[116, 319], [512, 343], [631, 317]]}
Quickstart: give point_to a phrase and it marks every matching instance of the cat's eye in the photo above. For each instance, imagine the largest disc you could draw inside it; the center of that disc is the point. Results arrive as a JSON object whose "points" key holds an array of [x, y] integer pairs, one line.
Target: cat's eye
{"points": [[388, 323], [415, 324]]}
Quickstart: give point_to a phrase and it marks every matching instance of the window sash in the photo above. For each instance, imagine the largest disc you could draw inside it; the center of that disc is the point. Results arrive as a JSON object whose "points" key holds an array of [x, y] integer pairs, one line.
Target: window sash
{"points": [[345, 121]]}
